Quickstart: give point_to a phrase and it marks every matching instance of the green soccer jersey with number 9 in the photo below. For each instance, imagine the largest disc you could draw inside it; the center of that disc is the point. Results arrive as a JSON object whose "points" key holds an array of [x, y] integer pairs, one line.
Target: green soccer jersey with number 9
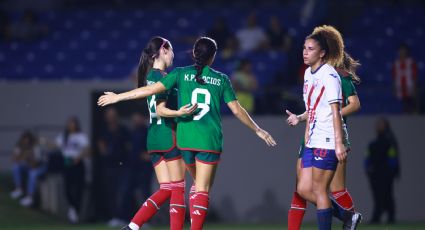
{"points": [[161, 135], [200, 131]]}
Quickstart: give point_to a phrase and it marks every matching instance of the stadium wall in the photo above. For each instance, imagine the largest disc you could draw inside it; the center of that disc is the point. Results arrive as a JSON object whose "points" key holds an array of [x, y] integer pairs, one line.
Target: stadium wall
{"points": [[254, 183]]}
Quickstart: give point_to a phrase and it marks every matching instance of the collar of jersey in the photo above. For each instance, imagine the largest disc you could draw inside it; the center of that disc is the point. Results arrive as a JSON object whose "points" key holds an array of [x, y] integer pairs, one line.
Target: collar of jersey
{"points": [[317, 69]]}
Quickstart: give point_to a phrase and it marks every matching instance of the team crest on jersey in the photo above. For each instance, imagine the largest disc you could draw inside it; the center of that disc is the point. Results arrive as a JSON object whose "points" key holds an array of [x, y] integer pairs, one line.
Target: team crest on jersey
{"points": [[305, 88]]}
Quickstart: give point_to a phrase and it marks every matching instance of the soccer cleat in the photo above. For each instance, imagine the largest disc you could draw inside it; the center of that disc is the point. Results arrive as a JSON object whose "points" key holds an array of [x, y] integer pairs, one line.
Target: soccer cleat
{"points": [[15, 194], [351, 223], [26, 201], [126, 228]]}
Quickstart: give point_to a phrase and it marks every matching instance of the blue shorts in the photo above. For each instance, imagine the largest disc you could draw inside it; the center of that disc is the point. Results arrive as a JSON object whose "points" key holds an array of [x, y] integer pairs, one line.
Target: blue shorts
{"points": [[157, 157], [319, 158]]}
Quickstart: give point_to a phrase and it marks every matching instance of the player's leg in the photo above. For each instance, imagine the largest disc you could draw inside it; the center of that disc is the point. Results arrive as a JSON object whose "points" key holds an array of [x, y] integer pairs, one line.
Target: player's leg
{"points": [[341, 199], [206, 166], [153, 203], [304, 183], [176, 169], [189, 160], [298, 206], [324, 166]]}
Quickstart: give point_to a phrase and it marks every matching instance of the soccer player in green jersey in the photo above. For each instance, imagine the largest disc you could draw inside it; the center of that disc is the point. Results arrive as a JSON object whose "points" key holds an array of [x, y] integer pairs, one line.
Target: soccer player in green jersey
{"points": [[340, 195], [198, 135], [161, 141]]}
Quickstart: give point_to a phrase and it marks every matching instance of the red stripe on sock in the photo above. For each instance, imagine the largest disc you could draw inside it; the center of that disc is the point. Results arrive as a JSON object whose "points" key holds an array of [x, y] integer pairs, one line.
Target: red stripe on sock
{"points": [[150, 207], [177, 205], [297, 211], [200, 209], [343, 199]]}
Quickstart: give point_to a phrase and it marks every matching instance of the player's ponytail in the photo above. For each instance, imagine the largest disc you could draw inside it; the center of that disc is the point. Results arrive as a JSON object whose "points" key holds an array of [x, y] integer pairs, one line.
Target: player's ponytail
{"points": [[350, 65], [330, 40], [147, 58], [203, 52]]}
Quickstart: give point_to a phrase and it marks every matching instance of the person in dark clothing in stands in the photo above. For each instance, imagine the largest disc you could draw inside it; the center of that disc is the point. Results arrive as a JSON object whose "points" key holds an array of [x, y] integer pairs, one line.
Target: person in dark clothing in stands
{"points": [[138, 175], [382, 168], [113, 146]]}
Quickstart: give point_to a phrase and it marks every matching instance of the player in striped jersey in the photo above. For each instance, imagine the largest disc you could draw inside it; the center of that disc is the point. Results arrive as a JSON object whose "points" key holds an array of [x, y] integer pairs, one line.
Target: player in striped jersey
{"points": [[161, 141], [341, 198], [199, 135], [324, 134]]}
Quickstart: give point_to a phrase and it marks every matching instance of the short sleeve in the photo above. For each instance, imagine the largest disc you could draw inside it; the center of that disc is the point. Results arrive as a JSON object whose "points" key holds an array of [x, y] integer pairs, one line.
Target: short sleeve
{"points": [[332, 84], [59, 140], [170, 80], [84, 141], [348, 88], [228, 92]]}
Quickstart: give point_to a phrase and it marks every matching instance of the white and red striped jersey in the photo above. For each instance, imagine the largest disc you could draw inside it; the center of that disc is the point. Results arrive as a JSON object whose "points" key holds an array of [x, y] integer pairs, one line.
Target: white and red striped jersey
{"points": [[321, 88], [404, 74]]}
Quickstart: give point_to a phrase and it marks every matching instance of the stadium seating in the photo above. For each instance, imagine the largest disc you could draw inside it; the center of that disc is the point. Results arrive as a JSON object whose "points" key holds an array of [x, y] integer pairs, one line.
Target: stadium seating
{"points": [[98, 44]]}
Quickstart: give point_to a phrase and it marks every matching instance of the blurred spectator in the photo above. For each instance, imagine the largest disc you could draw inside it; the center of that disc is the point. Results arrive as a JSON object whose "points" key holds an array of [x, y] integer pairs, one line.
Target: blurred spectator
{"points": [[113, 147], [220, 33], [28, 28], [226, 40], [27, 159], [405, 77], [4, 25], [139, 173], [245, 84], [278, 37], [382, 167], [230, 48], [73, 144], [252, 37]]}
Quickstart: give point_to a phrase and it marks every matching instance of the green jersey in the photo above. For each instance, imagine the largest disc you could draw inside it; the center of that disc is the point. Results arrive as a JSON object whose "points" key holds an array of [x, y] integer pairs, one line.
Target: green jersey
{"points": [[161, 131], [200, 131], [348, 90]]}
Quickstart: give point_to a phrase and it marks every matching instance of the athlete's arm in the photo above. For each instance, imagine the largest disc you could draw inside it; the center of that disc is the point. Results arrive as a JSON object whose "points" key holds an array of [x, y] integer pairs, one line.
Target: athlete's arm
{"points": [[294, 119], [244, 117], [163, 111], [340, 150], [352, 107], [142, 92], [306, 132]]}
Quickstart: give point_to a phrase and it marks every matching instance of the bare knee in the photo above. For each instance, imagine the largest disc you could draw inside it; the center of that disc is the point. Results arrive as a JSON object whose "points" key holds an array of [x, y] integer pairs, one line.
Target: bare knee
{"points": [[304, 191]]}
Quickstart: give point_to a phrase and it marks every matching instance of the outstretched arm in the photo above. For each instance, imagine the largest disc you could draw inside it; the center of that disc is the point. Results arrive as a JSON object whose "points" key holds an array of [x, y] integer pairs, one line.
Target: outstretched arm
{"points": [[244, 117], [163, 111], [294, 119], [142, 92], [352, 107]]}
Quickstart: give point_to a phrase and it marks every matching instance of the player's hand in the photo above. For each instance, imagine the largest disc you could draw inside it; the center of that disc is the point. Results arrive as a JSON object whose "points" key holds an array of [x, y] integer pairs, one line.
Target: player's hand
{"points": [[340, 152], [107, 99], [293, 119], [187, 109], [266, 137]]}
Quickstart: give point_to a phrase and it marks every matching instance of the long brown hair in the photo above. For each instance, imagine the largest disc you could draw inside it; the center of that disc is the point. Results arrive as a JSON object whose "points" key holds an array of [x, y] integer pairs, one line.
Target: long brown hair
{"points": [[350, 65], [149, 53], [330, 40], [203, 50]]}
